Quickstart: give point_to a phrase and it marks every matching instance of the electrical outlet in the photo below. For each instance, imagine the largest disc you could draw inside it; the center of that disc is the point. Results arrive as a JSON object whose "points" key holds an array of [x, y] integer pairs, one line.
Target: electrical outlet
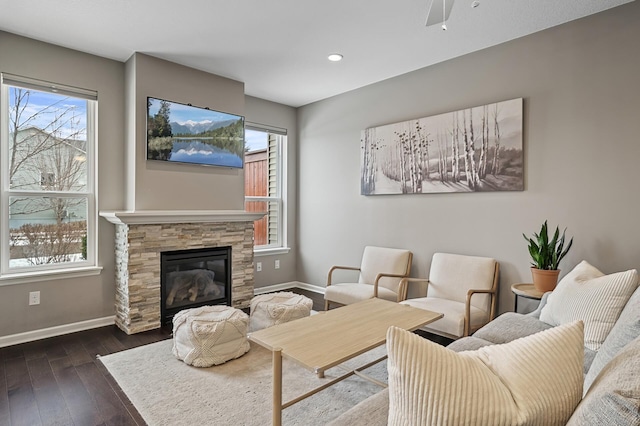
{"points": [[277, 264], [34, 298], [259, 266]]}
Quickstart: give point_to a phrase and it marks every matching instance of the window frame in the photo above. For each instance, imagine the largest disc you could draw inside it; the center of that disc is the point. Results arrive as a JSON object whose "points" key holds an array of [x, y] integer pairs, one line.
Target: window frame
{"points": [[281, 193], [85, 267]]}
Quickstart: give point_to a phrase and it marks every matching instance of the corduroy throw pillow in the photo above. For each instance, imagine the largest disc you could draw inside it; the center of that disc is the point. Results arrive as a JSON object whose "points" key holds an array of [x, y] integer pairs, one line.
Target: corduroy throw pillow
{"points": [[535, 380]]}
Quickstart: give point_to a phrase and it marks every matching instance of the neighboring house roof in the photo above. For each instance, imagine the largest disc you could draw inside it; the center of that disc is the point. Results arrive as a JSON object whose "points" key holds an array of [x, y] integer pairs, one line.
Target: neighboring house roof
{"points": [[77, 144]]}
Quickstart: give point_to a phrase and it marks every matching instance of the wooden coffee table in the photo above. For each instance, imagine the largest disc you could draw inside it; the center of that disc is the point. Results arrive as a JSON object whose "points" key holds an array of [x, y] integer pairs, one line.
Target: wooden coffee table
{"points": [[327, 339]]}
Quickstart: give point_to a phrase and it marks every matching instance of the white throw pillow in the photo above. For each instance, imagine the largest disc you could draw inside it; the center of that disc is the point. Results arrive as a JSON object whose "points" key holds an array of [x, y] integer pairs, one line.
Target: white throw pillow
{"points": [[535, 380], [587, 294]]}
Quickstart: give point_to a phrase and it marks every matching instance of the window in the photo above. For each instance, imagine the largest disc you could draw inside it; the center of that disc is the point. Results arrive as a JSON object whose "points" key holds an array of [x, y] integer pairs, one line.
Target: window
{"points": [[47, 184], [265, 150], [47, 179]]}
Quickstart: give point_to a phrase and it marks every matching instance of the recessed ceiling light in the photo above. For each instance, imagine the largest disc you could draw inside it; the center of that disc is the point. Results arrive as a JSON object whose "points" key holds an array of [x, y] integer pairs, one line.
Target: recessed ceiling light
{"points": [[475, 4], [334, 57]]}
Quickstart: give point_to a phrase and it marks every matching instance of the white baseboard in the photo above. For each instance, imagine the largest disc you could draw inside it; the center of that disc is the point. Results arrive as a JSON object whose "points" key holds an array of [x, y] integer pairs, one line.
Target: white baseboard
{"points": [[288, 285], [59, 330], [310, 287]]}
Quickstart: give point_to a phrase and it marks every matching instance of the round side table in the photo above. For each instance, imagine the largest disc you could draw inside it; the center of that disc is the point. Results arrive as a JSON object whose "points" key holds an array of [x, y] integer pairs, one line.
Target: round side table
{"points": [[526, 290]]}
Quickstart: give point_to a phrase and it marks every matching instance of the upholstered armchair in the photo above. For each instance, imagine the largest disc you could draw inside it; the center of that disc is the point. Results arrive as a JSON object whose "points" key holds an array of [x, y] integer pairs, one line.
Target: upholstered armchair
{"points": [[463, 288], [381, 270]]}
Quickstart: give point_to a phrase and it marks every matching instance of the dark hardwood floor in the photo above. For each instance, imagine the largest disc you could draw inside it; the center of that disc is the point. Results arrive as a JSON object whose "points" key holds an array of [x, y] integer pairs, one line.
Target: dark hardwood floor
{"points": [[59, 381], [317, 298]]}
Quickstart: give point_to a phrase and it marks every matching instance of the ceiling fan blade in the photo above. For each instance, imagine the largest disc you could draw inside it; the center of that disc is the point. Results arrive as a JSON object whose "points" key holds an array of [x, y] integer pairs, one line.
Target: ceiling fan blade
{"points": [[434, 13]]}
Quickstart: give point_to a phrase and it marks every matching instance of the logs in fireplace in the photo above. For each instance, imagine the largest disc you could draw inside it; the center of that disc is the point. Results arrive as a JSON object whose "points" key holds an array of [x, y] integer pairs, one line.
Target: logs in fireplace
{"points": [[192, 278]]}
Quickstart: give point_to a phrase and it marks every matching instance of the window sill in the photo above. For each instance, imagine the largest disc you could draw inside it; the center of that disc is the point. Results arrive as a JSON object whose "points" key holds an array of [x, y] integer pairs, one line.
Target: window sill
{"points": [[271, 251], [31, 277]]}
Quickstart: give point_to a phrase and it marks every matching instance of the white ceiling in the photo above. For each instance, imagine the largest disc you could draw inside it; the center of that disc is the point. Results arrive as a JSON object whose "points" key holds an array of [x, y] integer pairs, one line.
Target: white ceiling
{"points": [[279, 48]]}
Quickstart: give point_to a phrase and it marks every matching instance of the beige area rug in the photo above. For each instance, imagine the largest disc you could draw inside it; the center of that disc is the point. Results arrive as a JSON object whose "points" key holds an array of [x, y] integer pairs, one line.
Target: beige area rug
{"points": [[168, 392]]}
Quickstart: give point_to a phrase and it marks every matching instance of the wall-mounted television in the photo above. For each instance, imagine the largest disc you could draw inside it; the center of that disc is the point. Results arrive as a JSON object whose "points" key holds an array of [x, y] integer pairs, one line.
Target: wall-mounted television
{"points": [[182, 133]]}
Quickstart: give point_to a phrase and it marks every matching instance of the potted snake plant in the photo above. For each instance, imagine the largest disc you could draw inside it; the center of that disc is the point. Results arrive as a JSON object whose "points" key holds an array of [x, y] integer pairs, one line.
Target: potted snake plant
{"points": [[546, 254]]}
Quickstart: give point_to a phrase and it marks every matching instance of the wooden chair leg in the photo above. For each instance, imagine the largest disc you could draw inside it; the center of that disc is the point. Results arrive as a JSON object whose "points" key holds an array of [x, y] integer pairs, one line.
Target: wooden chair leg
{"points": [[326, 305]]}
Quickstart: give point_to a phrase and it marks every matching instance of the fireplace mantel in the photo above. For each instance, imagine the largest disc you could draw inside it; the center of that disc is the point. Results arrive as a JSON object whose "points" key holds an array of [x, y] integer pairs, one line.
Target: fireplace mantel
{"points": [[149, 217]]}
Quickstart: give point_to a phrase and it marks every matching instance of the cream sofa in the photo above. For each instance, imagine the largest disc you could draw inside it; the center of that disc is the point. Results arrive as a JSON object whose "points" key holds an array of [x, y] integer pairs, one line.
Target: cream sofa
{"points": [[611, 374]]}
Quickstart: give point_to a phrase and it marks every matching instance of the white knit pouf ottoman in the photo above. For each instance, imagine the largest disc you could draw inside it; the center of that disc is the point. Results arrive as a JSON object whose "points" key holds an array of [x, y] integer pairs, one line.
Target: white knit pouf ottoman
{"points": [[276, 308], [210, 335]]}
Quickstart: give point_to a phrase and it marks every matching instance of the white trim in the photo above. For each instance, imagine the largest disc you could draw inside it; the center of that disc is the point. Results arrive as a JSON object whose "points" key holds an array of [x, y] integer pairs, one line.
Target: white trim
{"points": [[287, 286], [310, 287], [148, 217], [265, 128], [59, 330], [270, 251], [92, 182], [47, 86], [275, 287], [49, 275], [284, 190], [4, 175]]}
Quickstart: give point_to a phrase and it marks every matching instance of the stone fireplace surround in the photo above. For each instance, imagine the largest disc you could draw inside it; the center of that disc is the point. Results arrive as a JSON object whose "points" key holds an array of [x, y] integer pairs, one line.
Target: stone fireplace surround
{"points": [[141, 236]]}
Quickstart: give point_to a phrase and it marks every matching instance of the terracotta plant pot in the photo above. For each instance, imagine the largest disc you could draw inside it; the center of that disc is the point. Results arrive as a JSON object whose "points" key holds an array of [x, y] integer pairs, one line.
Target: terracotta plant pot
{"points": [[545, 279]]}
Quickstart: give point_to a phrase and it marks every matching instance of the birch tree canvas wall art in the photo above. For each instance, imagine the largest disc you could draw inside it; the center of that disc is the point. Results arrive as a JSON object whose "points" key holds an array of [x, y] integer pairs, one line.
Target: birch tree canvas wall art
{"points": [[471, 150]]}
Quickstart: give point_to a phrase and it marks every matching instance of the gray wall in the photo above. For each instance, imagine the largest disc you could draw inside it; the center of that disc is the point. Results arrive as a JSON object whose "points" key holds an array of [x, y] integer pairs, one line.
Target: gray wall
{"points": [[259, 111], [167, 186], [581, 96], [72, 300]]}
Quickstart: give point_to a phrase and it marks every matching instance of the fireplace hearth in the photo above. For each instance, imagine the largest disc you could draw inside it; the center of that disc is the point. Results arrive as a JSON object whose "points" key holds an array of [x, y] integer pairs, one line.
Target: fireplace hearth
{"points": [[192, 278]]}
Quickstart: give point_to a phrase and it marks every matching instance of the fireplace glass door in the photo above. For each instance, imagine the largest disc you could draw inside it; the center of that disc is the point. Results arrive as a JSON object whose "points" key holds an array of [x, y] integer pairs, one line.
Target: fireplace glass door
{"points": [[192, 278]]}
